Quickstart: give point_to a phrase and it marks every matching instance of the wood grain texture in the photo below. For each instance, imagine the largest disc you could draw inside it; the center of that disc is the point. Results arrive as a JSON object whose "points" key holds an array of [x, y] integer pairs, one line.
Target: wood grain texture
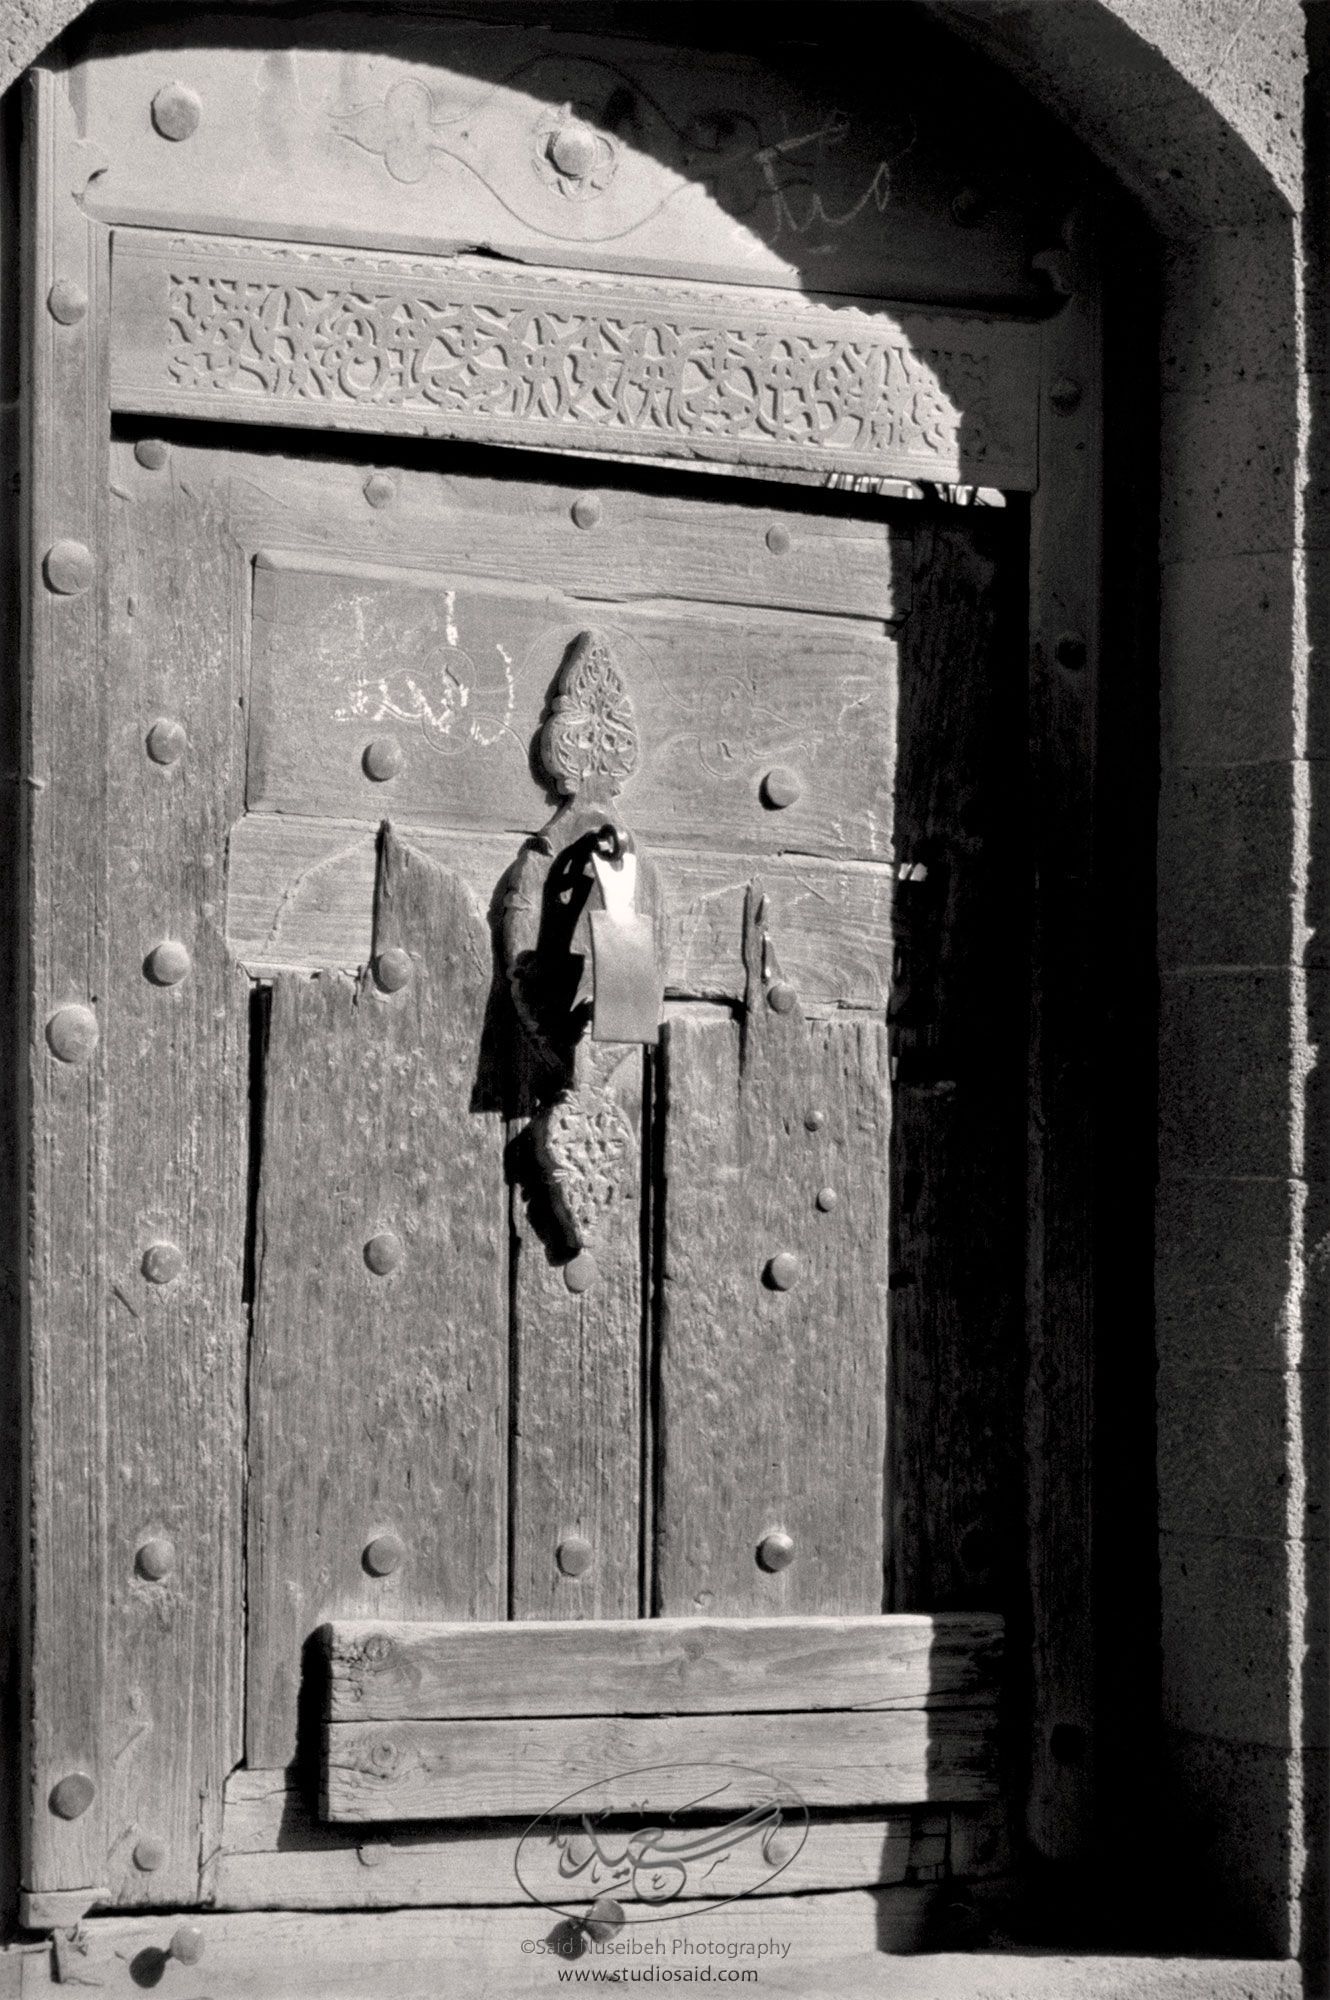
{"points": [[497, 519], [178, 1115], [459, 675], [738, 168], [826, 1948], [819, 1948], [276, 1854], [300, 897], [851, 390], [577, 1378], [1063, 1185], [488, 1770], [957, 1019], [66, 954], [667, 1665], [763, 1392], [377, 1401]]}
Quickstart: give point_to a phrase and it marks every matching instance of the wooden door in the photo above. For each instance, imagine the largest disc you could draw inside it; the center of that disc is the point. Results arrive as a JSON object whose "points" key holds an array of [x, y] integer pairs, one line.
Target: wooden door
{"points": [[471, 1409], [664, 1395]]}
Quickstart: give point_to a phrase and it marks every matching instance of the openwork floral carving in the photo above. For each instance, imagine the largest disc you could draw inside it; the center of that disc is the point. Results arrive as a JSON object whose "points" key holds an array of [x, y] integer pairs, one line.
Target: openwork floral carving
{"points": [[551, 362], [582, 1142], [591, 732]]}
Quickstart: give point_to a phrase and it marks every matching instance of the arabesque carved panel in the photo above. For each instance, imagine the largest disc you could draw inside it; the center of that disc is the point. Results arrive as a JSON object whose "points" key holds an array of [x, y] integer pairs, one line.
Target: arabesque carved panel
{"points": [[287, 336]]}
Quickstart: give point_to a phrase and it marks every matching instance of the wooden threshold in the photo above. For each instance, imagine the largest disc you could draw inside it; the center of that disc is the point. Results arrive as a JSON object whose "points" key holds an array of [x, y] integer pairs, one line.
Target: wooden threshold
{"points": [[836, 1947]]}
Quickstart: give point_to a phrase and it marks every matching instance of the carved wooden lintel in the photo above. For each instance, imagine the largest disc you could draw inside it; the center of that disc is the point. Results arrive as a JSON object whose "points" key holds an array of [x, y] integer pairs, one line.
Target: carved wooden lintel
{"points": [[279, 334]]}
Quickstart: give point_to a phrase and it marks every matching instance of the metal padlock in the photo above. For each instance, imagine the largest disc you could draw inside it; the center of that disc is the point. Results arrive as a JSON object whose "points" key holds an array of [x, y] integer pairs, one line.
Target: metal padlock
{"points": [[627, 990]]}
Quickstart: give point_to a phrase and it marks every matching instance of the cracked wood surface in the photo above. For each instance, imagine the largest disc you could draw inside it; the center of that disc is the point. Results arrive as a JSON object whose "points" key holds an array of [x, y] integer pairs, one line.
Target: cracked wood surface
{"points": [[377, 1401]]}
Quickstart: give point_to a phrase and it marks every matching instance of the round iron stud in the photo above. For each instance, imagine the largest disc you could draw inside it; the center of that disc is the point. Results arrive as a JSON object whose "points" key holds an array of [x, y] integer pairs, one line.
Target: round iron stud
{"points": [[783, 1271], [383, 759], [580, 1273], [586, 510], [68, 568], [162, 1263], [781, 787], [149, 1854], [1065, 394], [166, 740], [72, 1033], [778, 539], [384, 1555], [572, 150], [968, 207], [176, 110], [168, 962], [574, 1555], [72, 1795], [186, 1944], [775, 1552], [1070, 651], [814, 1120], [152, 453], [66, 302], [379, 489], [604, 1920], [383, 1253], [393, 969], [827, 1198], [155, 1559], [374, 1853], [781, 997]]}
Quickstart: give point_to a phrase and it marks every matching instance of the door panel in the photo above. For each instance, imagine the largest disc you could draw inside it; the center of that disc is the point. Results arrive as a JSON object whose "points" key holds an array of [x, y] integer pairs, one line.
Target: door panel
{"points": [[579, 1388], [379, 1377], [773, 1323], [450, 672]]}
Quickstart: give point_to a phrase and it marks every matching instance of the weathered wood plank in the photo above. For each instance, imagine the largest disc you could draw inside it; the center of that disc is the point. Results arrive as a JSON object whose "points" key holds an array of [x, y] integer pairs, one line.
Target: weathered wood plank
{"points": [[277, 1854], [775, 1146], [300, 897], [65, 958], [488, 1770], [378, 1400], [178, 1116], [1063, 1179], [817, 1948], [457, 676], [576, 1432], [957, 1021], [733, 377], [615, 532], [741, 168], [677, 1666], [820, 1948]]}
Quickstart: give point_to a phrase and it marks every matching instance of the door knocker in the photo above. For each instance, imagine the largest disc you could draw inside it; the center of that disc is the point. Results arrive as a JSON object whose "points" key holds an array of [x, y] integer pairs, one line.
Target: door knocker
{"points": [[581, 939]]}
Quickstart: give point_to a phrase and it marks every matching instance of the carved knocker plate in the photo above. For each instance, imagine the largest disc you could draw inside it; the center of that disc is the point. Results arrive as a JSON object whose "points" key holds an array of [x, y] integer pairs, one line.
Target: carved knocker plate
{"points": [[581, 946]]}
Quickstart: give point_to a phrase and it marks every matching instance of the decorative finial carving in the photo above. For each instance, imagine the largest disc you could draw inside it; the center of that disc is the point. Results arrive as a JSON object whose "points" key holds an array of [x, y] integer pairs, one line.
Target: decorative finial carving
{"points": [[582, 1143], [591, 734]]}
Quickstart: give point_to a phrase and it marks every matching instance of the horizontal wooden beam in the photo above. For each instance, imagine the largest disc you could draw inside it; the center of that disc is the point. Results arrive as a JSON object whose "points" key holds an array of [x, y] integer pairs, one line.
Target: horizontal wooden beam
{"points": [[817, 1947], [276, 1854], [288, 334], [300, 898], [660, 1764], [381, 1672]]}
